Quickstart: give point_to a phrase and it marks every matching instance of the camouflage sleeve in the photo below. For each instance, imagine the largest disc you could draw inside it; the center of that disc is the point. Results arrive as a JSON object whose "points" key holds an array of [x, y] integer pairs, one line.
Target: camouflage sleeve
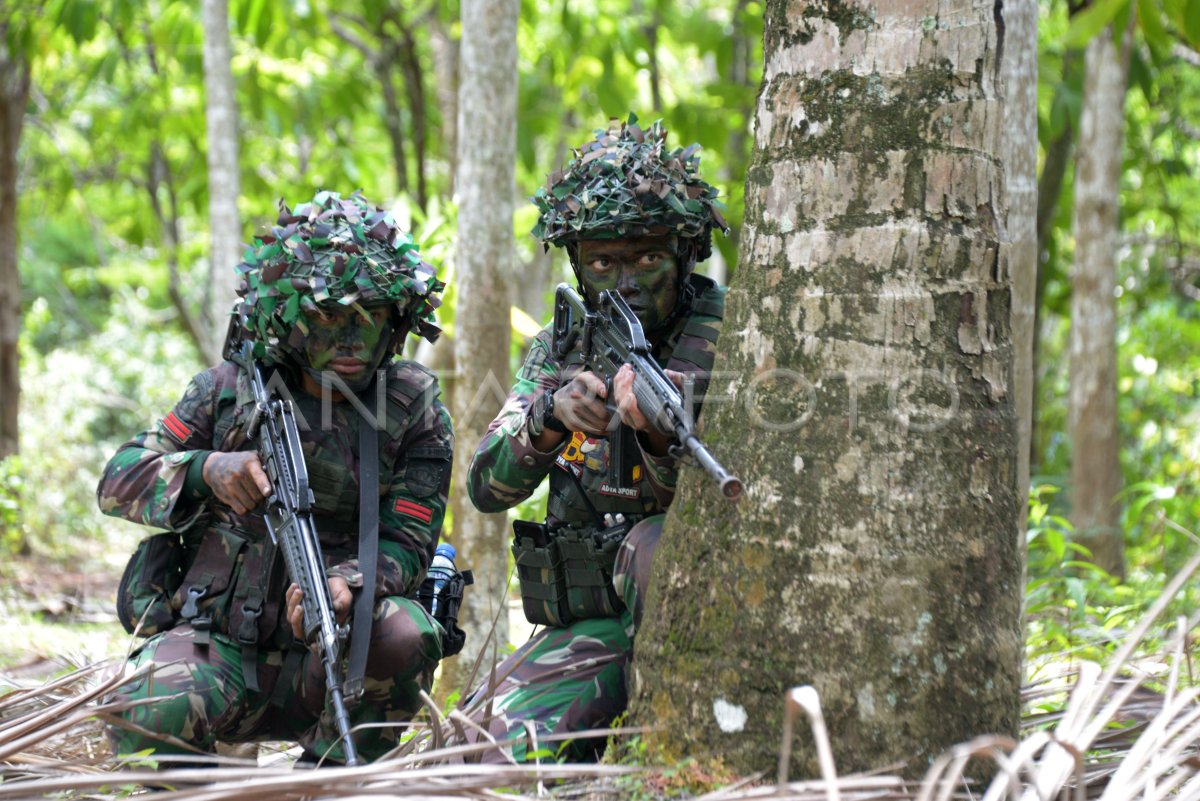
{"points": [[412, 506], [662, 472], [507, 468], [144, 481]]}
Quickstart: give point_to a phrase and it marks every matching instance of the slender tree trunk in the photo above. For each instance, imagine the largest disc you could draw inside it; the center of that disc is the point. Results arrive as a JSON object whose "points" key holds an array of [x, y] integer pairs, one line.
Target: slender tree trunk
{"points": [[484, 258], [415, 88], [445, 65], [1095, 468], [14, 92], [224, 183], [1020, 155], [1050, 183], [392, 120], [869, 360]]}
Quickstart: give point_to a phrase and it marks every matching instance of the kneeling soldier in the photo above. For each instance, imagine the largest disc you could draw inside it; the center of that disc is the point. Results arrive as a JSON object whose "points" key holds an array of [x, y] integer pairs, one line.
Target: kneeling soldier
{"points": [[328, 297]]}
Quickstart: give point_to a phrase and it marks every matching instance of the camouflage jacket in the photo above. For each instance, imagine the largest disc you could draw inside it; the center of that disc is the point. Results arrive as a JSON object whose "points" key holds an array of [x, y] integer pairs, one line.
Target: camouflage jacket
{"points": [[507, 468], [155, 479]]}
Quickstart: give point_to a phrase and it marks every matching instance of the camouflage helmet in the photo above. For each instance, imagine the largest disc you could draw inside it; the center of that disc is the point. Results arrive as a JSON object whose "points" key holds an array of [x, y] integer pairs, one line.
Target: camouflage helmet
{"points": [[625, 183], [334, 250]]}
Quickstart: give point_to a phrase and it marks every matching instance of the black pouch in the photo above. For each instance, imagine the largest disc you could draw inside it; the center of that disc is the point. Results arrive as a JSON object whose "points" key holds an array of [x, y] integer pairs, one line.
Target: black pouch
{"points": [[152, 575], [199, 597], [588, 557], [449, 601], [540, 571]]}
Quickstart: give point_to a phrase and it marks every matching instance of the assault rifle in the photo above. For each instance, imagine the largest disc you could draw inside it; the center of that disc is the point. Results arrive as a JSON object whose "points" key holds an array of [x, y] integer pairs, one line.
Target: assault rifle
{"points": [[289, 521], [610, 336]]}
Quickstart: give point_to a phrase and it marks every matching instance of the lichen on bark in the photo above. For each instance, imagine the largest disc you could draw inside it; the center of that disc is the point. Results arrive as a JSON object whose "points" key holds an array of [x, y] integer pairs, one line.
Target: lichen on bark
{"points": [[868, 343]]}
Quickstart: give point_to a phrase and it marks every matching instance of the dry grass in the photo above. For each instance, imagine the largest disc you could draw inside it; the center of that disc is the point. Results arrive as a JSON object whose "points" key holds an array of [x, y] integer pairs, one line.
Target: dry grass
{"points": [[1128, 730]]}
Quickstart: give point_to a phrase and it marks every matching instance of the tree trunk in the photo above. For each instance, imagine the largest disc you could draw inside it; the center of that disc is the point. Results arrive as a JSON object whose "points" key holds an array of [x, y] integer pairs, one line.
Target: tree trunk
{"points": [[1050, 182], [484, 257], [224, 185], [14, 92], [410, 65], [1020, 162], [445, 66], [869, 361], [1095, 469]]}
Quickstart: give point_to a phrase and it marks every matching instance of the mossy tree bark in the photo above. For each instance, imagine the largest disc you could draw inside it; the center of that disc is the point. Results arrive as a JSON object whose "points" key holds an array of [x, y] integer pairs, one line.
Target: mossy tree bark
{"points": [[483, 268], [864, 381]]}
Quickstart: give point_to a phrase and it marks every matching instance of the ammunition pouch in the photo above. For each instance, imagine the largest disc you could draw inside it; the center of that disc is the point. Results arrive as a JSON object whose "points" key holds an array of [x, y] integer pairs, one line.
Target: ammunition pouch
{"points": [[152, 575], [200, 598], [566, 574]]}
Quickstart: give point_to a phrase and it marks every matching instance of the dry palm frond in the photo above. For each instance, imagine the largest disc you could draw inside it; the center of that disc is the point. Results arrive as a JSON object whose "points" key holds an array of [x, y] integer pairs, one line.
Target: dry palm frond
{"points": [[1127, 730]]}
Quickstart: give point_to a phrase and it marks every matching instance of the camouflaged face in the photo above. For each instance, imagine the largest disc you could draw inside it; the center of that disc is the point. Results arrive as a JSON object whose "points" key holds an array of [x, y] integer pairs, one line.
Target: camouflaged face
{"points": [[334, 250], [625, 183]]}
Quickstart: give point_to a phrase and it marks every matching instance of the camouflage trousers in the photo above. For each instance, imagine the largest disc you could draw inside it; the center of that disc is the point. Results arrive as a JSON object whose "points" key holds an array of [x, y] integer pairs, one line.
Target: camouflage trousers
{"points": [[196, 694], [572, 678]]}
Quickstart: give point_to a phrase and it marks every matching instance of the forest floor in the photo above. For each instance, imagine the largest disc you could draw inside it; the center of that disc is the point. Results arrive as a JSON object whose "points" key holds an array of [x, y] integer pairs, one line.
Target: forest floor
{"points": [[56, 619], [54, 615]]}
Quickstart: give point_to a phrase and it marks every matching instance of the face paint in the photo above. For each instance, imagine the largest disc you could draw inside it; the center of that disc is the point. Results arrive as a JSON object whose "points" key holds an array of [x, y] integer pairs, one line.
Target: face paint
{"points": [[643, 270], [344, 339]]}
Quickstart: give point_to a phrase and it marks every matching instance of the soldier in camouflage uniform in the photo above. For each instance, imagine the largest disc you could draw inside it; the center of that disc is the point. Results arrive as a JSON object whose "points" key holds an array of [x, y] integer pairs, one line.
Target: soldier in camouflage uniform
{"points": [[634, 217], [330, 295]]}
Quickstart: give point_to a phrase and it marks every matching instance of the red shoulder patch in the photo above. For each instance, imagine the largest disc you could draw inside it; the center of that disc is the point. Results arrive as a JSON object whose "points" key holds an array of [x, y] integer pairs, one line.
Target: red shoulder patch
{"points": [[422, 513], [176, 427]]}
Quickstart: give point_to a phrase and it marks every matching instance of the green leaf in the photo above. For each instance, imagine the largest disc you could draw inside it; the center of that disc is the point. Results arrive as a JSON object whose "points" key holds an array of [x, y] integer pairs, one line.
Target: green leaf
{"points": [[1142, 75], [1150, 19], [1088, 23], [1191, 22], [292, 310], [265, 22]]}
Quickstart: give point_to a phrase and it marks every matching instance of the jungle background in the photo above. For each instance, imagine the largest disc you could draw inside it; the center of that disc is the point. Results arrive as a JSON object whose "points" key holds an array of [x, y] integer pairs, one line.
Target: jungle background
{"points": [[119, 201]]}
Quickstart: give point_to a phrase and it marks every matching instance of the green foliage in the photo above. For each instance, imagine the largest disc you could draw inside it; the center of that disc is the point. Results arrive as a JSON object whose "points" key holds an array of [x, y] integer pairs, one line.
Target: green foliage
{"points": [[1072, 606], [78, 404], [10, 504], [1158, 323]]}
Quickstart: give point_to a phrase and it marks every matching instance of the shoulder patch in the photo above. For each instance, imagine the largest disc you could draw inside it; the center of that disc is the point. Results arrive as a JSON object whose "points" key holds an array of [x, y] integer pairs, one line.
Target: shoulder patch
{"points": [[539, 354], [192, 408], [409, 380]]}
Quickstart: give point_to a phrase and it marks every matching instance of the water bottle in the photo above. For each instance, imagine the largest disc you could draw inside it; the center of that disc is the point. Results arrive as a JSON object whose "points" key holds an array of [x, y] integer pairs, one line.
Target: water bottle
{"points": [[441, 570]]}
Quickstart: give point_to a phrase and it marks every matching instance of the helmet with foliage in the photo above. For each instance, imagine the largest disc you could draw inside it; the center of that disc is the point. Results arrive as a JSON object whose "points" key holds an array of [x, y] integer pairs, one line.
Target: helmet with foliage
{"points": [[333, 251], [625, 183]]}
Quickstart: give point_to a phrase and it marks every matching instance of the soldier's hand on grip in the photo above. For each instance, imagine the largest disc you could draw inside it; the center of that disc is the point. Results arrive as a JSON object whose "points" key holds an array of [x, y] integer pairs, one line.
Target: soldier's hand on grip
{"points": [[626, 400], [237, 480], [580, 405], [339, 595]]}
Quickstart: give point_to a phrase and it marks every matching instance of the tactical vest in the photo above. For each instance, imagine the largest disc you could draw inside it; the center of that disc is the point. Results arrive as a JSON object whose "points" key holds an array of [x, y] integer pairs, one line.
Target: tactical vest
{"points": [[233, 581], [565, 567], [580, 480]]}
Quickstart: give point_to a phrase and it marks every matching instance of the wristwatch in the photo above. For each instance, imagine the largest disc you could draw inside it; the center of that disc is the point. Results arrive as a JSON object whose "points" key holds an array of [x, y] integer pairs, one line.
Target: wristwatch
{"points": [[541, 416]]}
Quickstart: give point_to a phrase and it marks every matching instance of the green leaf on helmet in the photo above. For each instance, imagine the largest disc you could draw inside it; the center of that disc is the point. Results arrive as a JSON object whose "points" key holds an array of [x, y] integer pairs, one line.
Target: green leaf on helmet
{"points": [[291, 310]]}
